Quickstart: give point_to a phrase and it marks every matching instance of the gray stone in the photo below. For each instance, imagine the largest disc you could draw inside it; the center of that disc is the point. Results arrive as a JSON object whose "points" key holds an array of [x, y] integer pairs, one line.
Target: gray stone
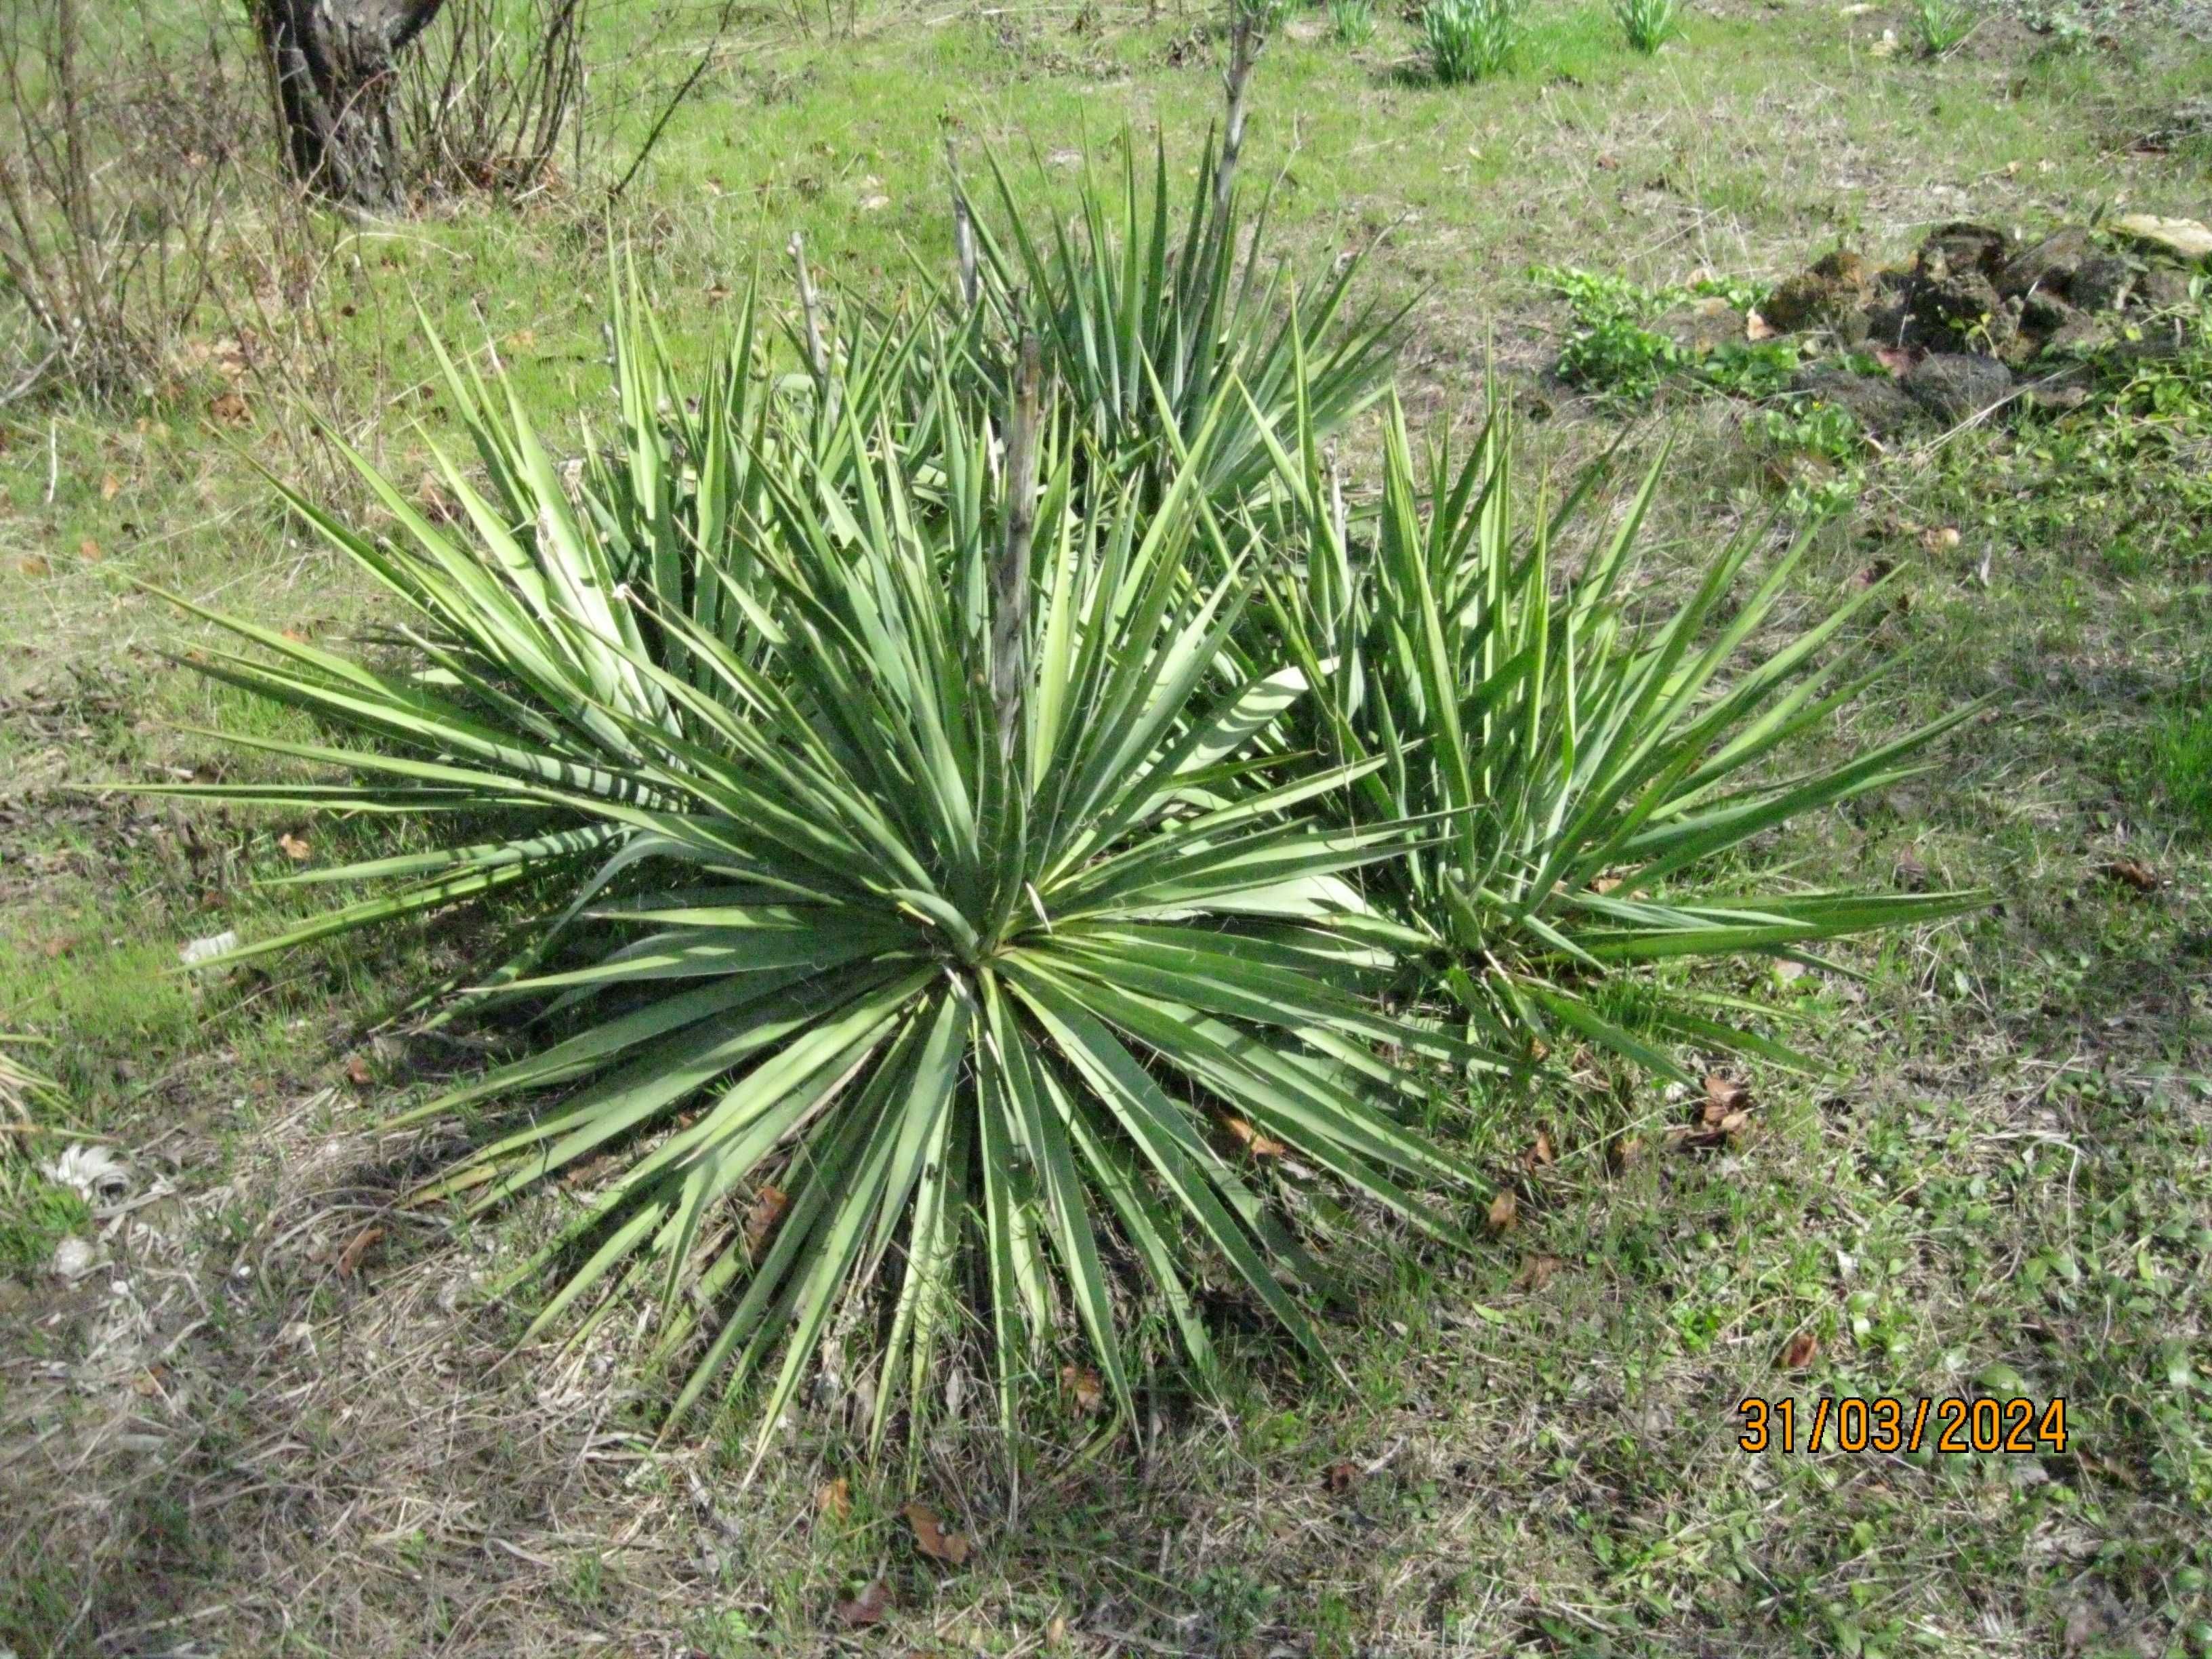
{"points": [[2189, 238], [2101, 283], [2162, 288], [1703, 326], [1961, 246], [2048, 264], [1955, 386], [1875, 401]]}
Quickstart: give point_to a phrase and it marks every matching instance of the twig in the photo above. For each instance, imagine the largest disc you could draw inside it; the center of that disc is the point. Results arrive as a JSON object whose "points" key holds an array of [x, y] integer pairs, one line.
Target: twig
{"points": [[653, 136], [1246, 38]]}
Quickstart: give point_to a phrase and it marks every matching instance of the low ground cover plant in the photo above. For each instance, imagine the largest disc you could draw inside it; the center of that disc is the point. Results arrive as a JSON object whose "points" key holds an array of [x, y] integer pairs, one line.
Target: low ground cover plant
{"points": [[1469, 40]]}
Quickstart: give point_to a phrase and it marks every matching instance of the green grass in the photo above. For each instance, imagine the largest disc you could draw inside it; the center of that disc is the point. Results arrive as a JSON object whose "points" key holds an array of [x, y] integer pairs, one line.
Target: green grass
{"points": [[2012, 1168]]}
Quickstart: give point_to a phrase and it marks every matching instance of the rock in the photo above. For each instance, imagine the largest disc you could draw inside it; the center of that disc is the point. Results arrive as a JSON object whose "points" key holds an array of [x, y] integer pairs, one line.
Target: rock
{"points": [[1875, 401], [1955, 386], [2189, 238], [2162, 288], [2079, 338], [2049, 264], [1703, 326], [2043, 312], [1962, 302], [1837, 286], [2101, 283], [1961, 246]]}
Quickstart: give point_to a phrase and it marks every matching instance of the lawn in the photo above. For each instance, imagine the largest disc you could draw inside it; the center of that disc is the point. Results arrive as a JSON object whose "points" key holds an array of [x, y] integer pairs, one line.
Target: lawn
{"points": [[278, 1416]]}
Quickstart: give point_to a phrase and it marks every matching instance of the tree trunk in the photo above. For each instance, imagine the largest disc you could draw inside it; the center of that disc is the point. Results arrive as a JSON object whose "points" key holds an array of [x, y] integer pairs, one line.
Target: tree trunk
{"points": [[332, 61]]}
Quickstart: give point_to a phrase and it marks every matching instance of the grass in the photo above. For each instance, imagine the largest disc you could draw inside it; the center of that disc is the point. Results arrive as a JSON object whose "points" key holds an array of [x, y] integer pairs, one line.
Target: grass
{"points": [[284, 1438]]}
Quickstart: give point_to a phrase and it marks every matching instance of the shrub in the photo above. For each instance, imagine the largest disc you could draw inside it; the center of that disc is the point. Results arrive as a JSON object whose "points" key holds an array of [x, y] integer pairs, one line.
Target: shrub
{"points": [[887, 978], [1352, 22], [1599, 787], [1468, 40], [1648, 24]]}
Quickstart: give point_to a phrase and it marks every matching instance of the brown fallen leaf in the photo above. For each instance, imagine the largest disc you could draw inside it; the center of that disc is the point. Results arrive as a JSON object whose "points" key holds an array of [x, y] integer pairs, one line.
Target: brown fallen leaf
{"points": [[1340, 1478], [358, 1072], [1504, 1211], [358, 1246], [834, 1498], [1253, 1140], [88, 550], [110, 487], [1083, 1388], [1725, 1096], [2133, 872], [1604, 883], [1540, 1154], [229, 409], [867, 1608], [768, 1205], [1756, 327], [294, 847], [1536, 1271], [933, 1541], [1800, 1350]]}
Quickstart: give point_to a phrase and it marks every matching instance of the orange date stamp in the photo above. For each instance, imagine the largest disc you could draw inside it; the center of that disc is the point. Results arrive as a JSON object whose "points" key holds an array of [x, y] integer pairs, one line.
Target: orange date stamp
{"points": [[1887, 1424]]}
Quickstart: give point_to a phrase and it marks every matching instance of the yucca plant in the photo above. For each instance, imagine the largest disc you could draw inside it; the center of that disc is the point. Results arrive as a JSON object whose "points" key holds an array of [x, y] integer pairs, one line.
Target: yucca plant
{"points": [[1145, 290], [1602, 787], [927, 917], [1938, 25], [1352, 22], [1647, 25], [1469, 40]]}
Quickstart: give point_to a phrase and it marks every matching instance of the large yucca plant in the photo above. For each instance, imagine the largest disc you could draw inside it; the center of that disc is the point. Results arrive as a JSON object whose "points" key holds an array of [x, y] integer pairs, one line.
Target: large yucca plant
{"points": [[902, 858], [1146, 311], [1603, 787]]}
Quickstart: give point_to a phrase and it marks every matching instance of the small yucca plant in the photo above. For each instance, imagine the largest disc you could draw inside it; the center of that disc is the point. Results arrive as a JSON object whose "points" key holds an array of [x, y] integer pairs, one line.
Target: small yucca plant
{"points": [[1600, 789], [1352, 22], [1938, 25], [1149, 309], [1469, 40], [1648, 25], [935, 931]]}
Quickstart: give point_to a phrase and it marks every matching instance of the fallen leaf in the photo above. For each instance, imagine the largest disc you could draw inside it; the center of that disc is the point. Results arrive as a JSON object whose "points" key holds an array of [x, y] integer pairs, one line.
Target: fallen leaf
{"points": [[1536, 1271], [88, 550], [1340, 1478], [1725, 1097], [1608, 161], [110, 487], [294, 847], [1939, 540], [358, 1247], [768, 1205], [358, 1072], [834, 1498], [2135, 874], [868, 1608], [1756, 327], [1504, 1211], [931, 1538], [1800, 1350], [229, 409], [1083, 1388], [1539, 1155], [1251, 1140], [1604, 883]]}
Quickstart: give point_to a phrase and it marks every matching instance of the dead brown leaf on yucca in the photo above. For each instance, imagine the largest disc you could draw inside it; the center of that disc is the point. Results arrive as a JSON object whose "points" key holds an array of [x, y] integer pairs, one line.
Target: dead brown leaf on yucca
{"points": [[931, 1538]]}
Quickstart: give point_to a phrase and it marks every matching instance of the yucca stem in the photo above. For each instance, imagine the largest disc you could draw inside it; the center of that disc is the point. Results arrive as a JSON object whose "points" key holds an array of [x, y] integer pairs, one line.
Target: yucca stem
{"points": [[1245, 39], [817, 351], [964, 234], [1009, 595]]}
